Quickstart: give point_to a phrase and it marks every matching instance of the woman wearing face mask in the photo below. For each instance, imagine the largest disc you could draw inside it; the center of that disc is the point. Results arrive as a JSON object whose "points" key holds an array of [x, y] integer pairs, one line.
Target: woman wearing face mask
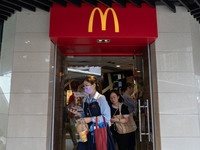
{"points": [[94, 105]]}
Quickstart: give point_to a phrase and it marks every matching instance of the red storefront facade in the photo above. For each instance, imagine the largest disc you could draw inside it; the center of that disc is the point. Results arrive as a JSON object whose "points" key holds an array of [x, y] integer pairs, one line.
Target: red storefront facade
{"points": [[77, 31]]}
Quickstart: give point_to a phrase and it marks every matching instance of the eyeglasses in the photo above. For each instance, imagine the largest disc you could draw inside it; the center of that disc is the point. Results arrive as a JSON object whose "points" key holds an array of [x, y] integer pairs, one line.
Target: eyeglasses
{"points": [[86, 86]]}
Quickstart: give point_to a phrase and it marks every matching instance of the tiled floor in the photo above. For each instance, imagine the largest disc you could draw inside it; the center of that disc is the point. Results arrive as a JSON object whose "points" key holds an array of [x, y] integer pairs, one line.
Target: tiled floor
{"points": [[68, 145]]}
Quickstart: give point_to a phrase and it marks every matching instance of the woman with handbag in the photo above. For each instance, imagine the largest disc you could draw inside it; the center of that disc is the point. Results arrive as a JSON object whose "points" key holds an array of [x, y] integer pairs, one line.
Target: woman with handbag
{"points": [[120, 120], [96, 111], [132, 106]]}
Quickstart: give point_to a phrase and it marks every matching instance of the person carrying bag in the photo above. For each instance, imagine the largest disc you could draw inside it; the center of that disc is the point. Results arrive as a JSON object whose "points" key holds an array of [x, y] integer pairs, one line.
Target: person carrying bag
{"points": [[123, 128], [121, 120], [95, 110], [100, 134]]}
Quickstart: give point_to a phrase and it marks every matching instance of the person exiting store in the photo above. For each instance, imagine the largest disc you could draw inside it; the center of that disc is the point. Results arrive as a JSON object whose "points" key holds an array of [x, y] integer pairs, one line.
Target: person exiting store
{"points": [[95, 107], [132, 105], [121, 139]]}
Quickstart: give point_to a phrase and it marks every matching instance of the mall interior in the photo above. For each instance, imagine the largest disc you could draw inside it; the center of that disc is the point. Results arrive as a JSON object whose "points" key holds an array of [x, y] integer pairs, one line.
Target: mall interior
{"points": [[49, 46]]}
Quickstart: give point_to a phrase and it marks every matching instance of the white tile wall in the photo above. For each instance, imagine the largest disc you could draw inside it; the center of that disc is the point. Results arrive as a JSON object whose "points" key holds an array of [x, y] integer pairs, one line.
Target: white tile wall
{"points": [[3, 130], [27, 126], [173, 61], [32, 42], [4, 103], [7, 46], [195, 32], [31, 62], [32, 22], [28, 104], [6, 62], [173, 22], [176, 82], [177, 57], [181, 143], [3, 126], [26, 144], [179, 125], [178, 103], [174, 42], [30, 82]]}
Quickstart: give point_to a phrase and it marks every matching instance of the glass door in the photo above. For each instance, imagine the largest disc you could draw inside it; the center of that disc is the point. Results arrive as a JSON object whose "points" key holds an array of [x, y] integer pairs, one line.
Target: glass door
{"points": [[112, 73], [145, 132]]}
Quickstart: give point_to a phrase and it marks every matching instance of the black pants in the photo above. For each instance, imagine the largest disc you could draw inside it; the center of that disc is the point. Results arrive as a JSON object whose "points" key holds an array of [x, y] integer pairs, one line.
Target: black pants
{"points": [[125, 141], [132, 140], [122, 141]]}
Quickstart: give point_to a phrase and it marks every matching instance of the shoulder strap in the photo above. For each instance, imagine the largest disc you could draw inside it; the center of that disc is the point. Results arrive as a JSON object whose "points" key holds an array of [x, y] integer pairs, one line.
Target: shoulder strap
{"points": [[120, 108], [115, 112], [98, 98]]}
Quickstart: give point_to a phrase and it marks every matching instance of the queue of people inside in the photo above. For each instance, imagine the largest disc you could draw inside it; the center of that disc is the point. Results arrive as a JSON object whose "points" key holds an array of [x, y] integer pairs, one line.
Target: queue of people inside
{"points": [[118, 117]]}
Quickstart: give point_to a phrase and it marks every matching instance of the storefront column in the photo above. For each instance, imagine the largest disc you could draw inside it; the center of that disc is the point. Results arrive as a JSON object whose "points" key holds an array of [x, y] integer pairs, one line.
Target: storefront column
{"points": [[28, 119], [177, 76]]}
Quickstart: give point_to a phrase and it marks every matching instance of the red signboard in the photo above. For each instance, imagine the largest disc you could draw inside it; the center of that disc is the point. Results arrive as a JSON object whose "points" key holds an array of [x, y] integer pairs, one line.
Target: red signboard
{"points": [[81, 31]]}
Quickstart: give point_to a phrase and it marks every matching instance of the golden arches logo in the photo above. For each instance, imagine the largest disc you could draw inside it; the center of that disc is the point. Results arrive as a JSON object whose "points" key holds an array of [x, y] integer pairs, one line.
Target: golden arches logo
{"points": [[103, 18]]}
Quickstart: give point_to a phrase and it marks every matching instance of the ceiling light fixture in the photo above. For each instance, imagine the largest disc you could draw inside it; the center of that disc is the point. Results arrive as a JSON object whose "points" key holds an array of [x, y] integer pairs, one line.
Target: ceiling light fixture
{"points": [[103, 41], [117, 66]]}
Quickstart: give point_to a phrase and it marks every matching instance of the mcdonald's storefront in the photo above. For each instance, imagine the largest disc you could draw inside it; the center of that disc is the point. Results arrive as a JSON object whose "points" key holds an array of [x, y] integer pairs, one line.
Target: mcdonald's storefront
{"points": [[45, 56], [106, 34], [80, 31], [118, 32]]}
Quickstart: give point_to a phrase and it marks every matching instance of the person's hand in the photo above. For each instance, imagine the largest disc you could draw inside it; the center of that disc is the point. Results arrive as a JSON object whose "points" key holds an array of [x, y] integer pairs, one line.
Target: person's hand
{"points": [[114, 119], [74, 111], [81, 120], [85, 120]]}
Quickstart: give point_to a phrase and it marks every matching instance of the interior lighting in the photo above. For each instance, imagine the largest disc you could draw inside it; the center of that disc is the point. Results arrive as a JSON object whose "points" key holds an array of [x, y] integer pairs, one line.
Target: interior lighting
{"points": [[138, 71], [103, 41], [84, 72], [118, 66]]}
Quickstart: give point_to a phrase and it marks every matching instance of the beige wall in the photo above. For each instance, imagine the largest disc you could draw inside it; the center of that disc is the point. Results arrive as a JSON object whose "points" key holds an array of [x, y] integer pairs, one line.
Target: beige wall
{"points": [[177, 52], [28, 112], [6, 61]]}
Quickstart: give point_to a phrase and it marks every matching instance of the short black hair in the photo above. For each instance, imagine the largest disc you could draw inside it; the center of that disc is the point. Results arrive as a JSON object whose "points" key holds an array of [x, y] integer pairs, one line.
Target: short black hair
{"points": [[128, 84], [117, 93]]}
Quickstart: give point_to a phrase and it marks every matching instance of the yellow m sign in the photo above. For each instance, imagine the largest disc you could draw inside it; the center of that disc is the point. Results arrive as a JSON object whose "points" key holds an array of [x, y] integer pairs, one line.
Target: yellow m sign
{"points": [[103, 19]]}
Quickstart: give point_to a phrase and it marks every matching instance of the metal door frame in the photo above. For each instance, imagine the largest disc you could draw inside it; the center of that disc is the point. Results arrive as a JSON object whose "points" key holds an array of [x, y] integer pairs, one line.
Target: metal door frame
{"points": [[151, 97]]}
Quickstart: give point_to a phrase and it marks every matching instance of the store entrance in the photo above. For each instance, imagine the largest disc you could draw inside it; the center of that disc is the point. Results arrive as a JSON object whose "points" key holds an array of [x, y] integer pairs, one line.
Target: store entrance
{"points": [[112, 73]]}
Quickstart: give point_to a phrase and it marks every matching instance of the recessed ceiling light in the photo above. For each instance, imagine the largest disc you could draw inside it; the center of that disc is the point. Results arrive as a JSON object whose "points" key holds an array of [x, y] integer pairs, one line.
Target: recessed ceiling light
{"points": [[117, 66]]}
